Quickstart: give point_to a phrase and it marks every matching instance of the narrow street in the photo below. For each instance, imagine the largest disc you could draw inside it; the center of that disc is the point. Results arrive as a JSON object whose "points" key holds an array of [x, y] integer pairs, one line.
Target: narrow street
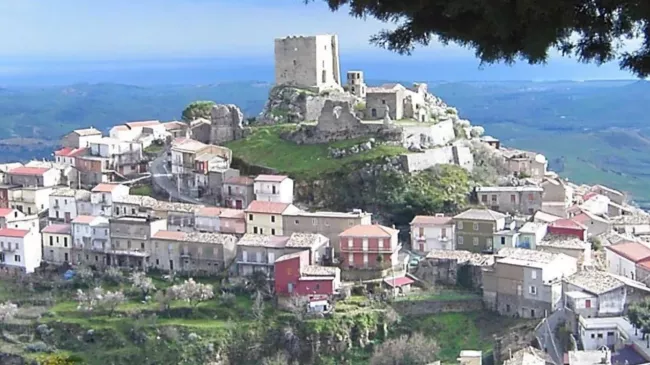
{"points": [[163, 179]]}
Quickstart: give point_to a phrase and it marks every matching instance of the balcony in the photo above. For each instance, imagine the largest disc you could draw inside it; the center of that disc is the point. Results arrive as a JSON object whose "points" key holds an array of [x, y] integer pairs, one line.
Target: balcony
{"points": [[10, 248]]}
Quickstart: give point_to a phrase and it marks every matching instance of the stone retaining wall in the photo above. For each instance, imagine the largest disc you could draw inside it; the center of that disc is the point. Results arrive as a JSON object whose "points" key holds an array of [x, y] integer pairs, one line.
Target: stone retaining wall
{"points": [[424, 307]]}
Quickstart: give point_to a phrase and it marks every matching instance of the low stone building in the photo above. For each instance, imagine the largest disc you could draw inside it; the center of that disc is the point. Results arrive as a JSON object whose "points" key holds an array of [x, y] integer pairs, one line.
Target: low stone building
{"points": [[454, 267], [568, 245], [511, 199], [525, 163], [191, 252]]}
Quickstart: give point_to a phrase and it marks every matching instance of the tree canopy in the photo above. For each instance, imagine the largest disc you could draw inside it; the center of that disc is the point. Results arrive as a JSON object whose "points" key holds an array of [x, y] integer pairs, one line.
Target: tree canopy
{"points": [[510, 30], [197, 109]]}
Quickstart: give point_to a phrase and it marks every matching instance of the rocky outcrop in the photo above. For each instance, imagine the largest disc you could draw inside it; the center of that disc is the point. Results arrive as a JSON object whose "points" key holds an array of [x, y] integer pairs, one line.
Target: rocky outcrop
{"points": [[227, 123], [290, 104], [334, 152]]}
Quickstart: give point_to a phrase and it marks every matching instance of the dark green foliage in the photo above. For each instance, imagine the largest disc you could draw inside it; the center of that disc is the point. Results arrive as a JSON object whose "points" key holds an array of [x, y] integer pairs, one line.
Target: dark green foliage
{"points": [[511, 30], [197, 109]]}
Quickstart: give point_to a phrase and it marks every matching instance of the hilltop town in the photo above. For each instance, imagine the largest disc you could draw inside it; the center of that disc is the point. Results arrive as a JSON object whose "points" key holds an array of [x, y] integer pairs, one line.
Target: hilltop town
{"points": [[163, 203]]}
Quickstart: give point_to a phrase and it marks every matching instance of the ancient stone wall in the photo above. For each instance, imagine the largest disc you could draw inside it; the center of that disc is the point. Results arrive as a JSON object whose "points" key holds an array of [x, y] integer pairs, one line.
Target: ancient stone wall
{"points": [[226, 123], [453, 155], [313, 105], [424, 307], [337, 122], [428, 135], [447, 271]]}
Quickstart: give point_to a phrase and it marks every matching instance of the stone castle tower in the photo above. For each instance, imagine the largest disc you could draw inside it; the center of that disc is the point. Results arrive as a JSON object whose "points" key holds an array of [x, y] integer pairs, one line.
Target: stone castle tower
{"points": [[311, 62], [356, 84], [226, 123]]}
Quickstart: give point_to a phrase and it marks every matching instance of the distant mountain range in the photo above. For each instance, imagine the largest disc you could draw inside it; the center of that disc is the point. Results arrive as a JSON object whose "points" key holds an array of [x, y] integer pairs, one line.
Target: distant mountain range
{"points": [[593, 131]]}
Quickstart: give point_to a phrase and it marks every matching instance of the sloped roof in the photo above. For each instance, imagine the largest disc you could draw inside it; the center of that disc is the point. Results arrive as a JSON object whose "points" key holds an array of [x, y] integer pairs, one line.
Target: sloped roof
{"points": [[480, 215], [209, 211], [567, 223], [271, 178], [239, 180], [105, 188], [599, 282], [15, 233], [29, 171], [57, 229], [142, 123], [633, 251], [257, 206], [431, 220], [84, 219], [369, 230]]}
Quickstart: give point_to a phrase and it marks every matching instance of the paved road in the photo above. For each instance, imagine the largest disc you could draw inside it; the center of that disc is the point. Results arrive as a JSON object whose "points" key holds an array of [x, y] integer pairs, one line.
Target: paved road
{"points": [[162, 178], [545, 333]]}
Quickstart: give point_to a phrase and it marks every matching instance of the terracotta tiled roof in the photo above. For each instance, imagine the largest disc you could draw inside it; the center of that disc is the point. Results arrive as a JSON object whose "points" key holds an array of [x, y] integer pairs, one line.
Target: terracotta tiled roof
{"points": [[57, 229], [271, 178], [104, 188], [169, 235], [567, 223], [232, 213], [240, 180], [29, 170], [174, 125], [632, 251], [70, 152], [398, 282], [83, 219], [5, 212], [16, 233], [431, 220], [369, 230], [209, 211], [257, 206], [581, 218]]}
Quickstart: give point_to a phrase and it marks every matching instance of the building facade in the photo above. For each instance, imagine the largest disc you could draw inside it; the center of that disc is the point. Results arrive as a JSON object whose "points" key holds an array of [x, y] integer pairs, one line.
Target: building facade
{"points": [[369, 247], [310, 62], [21, 250], [274, 188], [475, 229], [57, 243], [511, 199], [432, 233]]}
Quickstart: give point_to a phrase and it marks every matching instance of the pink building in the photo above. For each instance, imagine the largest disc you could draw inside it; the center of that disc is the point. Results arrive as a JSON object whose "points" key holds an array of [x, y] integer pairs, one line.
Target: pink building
{"points": [[568, 227], [369, 247], [295, 276]]}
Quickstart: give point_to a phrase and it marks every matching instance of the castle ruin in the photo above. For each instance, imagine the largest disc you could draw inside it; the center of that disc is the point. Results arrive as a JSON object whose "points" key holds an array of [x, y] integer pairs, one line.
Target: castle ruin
{"points": [[308, 62]]}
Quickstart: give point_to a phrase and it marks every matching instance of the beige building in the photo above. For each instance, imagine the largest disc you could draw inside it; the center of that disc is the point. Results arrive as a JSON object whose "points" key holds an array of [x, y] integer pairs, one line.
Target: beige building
{"points": [[57, 243], [192, 252], [475, 229], [526, 283], [558, 196], [266, 217], [80, 138], [329, 224], [30, 200], [130, 239], [525, 163], [386, 97], [511, 199], [568, 245]]}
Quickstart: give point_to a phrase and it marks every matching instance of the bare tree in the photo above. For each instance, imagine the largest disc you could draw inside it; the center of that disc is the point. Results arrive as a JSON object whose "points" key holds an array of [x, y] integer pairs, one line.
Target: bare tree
{"points": [[8, 310], [258, 306], [142, 282], [99, 299], [192, 292], [405, 350], [298, 306]]}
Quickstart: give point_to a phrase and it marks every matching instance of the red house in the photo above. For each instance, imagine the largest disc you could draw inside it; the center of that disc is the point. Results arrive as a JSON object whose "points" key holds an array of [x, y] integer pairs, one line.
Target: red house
{"points": [[295, 276], [568, 227], [369, 247]]}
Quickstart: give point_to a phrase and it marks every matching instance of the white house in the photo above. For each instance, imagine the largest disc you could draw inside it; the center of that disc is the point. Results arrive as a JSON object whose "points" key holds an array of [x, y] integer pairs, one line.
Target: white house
{"points": [[132, 131], [30, 200], [21, 250], [89, 232], [68, 156], [63, 203], [595, 203], [27, 176], [103, 195], [207, 219], [273, 188], [623, 257], [430, 233], [530, 234]]}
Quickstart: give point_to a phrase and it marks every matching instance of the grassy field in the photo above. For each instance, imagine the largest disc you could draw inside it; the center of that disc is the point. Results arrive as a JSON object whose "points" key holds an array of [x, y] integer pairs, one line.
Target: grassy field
{"points": [[142, 190], [264, 147]]}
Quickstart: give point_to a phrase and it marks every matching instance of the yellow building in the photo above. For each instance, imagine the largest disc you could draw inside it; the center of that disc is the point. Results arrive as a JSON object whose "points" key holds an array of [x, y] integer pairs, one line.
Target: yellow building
{"points": [[57, 243], [266, 217]]}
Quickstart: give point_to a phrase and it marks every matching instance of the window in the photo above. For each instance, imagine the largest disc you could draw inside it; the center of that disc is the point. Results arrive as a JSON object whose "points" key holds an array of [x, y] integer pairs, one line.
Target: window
{"points": [[593, 335], [503, 240], [261, 230], [513, 198], [314, 221], [475, 226], [244, 256], [380, 243], [475, 241], [600, 335], [133, 211], [460, 240], [273, 190], [273, 231], [255, 230], [296, 222], [142, 245], [250, 217], [508, 308], [488, 242], [531, 196], [532, 313], [494, 198], [533, 274], [443, 232], [351, 259], [65, 241], [272, 219], [588, 303], [17, 246], [350, 242], [484, 198], [294, 62], [421, 232], [17, 258], [383, 101], [365, 244], [460, 225], [271, 257], [532, 290], [51, 241], [365, 259]]}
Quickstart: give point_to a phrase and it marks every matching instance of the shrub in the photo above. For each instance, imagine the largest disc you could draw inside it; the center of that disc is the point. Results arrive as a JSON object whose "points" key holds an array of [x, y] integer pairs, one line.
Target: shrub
{"points": [[113, 275], [38, 346], [228, 298]]}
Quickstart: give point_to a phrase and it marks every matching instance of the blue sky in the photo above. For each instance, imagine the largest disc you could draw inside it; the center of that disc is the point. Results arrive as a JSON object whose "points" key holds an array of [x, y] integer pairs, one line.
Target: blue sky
{"points": [[116, 30]]}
